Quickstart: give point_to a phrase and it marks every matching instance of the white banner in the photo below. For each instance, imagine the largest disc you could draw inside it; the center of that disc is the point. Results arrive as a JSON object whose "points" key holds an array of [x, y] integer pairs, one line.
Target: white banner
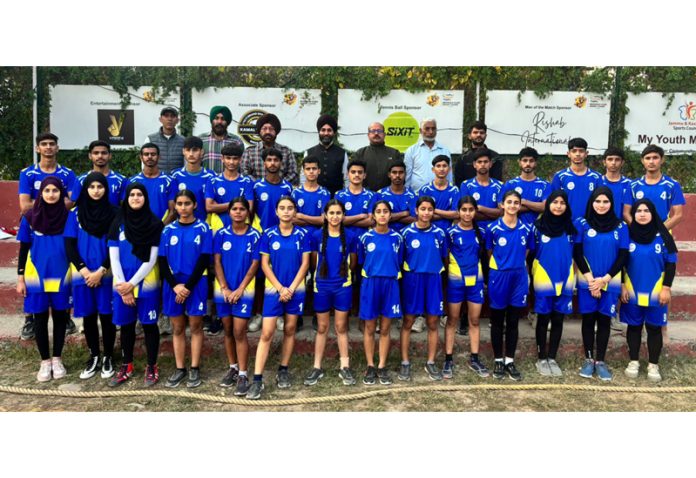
{"points": [[655, 119], [81, 114], [519, 119], [297, 109], [401, 112]]}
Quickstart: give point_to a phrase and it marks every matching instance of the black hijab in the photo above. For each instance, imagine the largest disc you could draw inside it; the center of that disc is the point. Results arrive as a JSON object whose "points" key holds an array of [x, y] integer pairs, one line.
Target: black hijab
{"points": [[602, 222], [551, 225], [48, 219], [142, 228], [94, 216], [645, 233]]}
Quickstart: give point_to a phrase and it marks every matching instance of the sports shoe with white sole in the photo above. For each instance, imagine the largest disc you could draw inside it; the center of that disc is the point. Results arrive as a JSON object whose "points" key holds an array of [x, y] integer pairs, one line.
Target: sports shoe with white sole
{"points": [[44, 374], [542, 366], [418, 325], [255, 323], [633, 369], [107, 368], [58, 368], [280, 324], [555, 368], [654, 372], [91, 367]]}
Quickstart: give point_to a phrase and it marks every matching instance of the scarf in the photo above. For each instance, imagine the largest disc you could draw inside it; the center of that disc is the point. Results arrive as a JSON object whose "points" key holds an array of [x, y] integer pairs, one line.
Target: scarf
{"points": [[551, 225], [605, 222], [95, 217], [645, 233], [141, 226], [48, 219]]}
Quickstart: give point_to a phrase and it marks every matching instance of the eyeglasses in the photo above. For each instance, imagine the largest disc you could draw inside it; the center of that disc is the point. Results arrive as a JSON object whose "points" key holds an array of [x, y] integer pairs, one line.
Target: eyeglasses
{"points": [[375, 131]]}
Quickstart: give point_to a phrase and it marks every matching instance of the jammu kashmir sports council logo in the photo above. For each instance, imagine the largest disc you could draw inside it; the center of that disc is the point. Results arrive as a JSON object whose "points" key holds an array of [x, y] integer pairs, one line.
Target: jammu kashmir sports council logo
{"points": [[580, 101], [687, 111]]}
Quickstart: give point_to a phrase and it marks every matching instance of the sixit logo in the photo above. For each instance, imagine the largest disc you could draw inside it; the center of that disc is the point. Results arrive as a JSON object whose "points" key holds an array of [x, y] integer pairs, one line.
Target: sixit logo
{"points": [[687, 111], [402, 130]]}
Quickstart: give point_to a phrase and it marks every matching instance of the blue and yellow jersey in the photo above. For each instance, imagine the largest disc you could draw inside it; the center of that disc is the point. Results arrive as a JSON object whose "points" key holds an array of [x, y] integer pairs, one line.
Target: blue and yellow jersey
{"points": [[30, 179], [381, 254], [285, 253], [116, 182], [334, 256], [355, 204], [621, 190], [159, 192], [150, 285], [552, 271], [93, 250], [487, 196], [194, 182], [509, 245], [464, 255], [222, 191], [645, 271], [600, 251], [578, 188], [47, 263], [665, 194], [266, 196], [237, 252], [183, 244], [445, 200], [425, 250], [405, 201], [536, 190], [311, 203]]}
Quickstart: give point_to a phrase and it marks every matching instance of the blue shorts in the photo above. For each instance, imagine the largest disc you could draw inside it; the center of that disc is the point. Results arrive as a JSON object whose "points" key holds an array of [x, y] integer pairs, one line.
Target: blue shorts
{"points": [[38, 302], [605, 305], [92, 300], [563, 304], [194, 305], [242, 309], [422, 293], [633, 314], [458, 291], [337, 298], [273, 307], [508, 288], [379, 296], [146, 310]]}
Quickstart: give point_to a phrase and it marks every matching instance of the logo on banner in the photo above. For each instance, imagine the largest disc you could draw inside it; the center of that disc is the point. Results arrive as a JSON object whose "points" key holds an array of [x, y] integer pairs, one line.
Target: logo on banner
{"points": [[687, 111], [580, 101], [116, 126], [290, 98], [433, 100], [247, 126], [402, 130]]}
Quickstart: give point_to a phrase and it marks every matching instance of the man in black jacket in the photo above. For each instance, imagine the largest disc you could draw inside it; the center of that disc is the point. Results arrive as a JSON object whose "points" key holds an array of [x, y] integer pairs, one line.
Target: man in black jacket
{"points": [[464, 169], [333, 160]]}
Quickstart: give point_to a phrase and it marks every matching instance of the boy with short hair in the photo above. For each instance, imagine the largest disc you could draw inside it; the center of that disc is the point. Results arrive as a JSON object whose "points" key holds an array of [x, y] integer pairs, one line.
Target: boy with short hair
{"points": [[533, 189], [193, 176], [100, 156], [357, 199], [619, 184], [577, 180], [484, 189], [443, 192], [310, 197], [160, 187], [401, 199], [221, 189]]}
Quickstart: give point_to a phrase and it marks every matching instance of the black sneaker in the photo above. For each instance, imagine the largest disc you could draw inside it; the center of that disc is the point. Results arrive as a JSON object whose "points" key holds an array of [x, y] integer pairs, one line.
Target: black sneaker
{"points": [[91, 368], [499, 370], [107, 369], [215, 326], [207, 320], [346, 374], [27, 332], [463, 328], [230, 377], [313, 376], [283, 379], [370, 377], [254, 392], [404, 372], [194, 378], [70, 327], [512, 372], [433, 372], [242, 386], [176, 378], [384, 377]]}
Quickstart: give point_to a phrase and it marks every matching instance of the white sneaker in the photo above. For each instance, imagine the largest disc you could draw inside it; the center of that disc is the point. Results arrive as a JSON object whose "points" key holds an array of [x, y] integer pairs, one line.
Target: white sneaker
{"points": [[633, 369], [91, 367], [165, 325], [654, 372], [58, 368], [255, 323], [280, 324], [418, 324], [443, 321], [44, 374]]}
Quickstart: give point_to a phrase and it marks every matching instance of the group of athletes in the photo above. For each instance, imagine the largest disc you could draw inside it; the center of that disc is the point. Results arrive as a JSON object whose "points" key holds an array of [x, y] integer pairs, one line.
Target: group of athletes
{"points": [[405, 253]]}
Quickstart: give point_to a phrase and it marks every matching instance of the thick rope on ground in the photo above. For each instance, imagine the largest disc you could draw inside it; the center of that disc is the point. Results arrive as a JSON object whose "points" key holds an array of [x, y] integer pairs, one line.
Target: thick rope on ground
{"points": [[344, 397]]}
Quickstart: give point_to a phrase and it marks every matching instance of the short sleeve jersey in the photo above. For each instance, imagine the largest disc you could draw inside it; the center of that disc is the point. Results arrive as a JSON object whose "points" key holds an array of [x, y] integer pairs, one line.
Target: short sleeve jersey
{"points": [[536, 190], [355, 204], [464, 254], [600, 251], [194, 182], [445, 200], [266, 196], [509, 245], [334, 256], [116, 182], [237, 252], [284, 253], [150, 285], [222, 191], [311, 203], [47, 264], [552, 272], [425, 250], [645, 271], [578, 188], [182, 245], [159, 192], [665, 194], [487, 196], [381, 254], [30, 179], [620, 189], [405, 201], [93, 250]]}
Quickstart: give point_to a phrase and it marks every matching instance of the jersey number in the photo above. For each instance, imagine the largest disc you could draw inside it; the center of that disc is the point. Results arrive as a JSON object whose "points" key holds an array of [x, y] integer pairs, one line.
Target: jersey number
{"points": [[197, 240]]}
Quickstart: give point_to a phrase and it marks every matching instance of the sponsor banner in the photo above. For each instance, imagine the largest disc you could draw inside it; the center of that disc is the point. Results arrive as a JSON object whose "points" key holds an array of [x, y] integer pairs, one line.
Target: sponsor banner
{"points": [[297, 110], [401, 113], [81, 114], [518, 119], [656, 118]]}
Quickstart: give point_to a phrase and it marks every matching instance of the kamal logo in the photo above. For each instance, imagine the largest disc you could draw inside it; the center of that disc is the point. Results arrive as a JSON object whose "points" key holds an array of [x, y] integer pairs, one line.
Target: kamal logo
{"points": [[687, 111]]}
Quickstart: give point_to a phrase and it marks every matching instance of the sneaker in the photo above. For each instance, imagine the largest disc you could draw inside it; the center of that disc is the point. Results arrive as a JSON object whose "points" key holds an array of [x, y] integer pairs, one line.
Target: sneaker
{"points": [[313, 376], [654, 372], [138, 329], [346, 374], [404, 372], [370, 377], [58, 368], [70, 327], [542, 366], [215, 327], [616, 324], [151, 375], [479, 368], [443, 321], [448, 369], [418, 325], [230, 377], [27, 332], [280, 324], [432, 371], [384, 377], [207, 320], [254, 392], [499, 370], [107, 369], [555, 368], [194, 378], [242, 386], [587, 369], [255, 323], [463, 328], [633, 369], [91, 367], [512, 372], [124, 373], [603, 372], [165, 325], [283, 379], [176, 378], [44, 374]]}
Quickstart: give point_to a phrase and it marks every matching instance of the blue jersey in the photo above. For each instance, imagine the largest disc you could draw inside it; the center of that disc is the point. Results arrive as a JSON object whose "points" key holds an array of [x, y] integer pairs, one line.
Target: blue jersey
{"points": [[47, 263], [334, 256], [222, 191], [620, 189], [93, 250], [182, 245], [665, 194], [194, 182], [266, 196], [445, 200], [405, 201], [645, 271], [355, 204], [285, 253], [578, 188], [464, 254], [311, 203], [509, 245], [425, 250], [381, 254], [237, 252], [160, 191], [150, 285], [553, 271], [600, 251], [116, 182], [536, 190], [30, 179], [487, 196]]}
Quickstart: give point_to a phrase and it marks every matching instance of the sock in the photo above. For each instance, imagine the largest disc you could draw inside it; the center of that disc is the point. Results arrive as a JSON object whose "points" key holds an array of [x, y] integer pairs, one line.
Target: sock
{"points": [[242, 373], [430, 363], [183, 368], [405, 362], [474, 357], [282, 368], [448, 357], [498, 360], [194, 368], [258, 377], [508, 360], [234, 366]]}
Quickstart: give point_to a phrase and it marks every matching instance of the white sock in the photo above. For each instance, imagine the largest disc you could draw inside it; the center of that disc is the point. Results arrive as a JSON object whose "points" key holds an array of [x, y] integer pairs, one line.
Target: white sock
{"points": [[508, 360]]}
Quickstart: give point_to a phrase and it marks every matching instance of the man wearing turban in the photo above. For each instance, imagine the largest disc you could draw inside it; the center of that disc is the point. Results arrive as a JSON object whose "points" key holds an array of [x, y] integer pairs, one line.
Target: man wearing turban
{"points": [[218, 138], [333, 160], [268, 127]]}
